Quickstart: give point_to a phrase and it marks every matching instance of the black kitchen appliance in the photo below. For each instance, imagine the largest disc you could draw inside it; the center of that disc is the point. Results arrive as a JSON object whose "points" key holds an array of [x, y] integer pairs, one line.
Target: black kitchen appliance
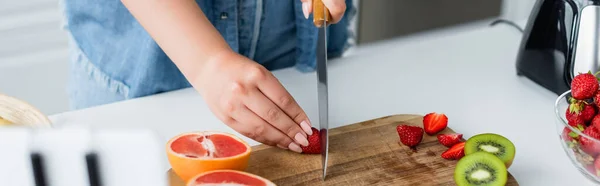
{"points": [[561, 39]]}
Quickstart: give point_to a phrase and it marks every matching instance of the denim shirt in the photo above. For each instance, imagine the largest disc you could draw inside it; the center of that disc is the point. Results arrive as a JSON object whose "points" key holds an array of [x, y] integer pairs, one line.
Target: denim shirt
{"points": [[113, 51]]}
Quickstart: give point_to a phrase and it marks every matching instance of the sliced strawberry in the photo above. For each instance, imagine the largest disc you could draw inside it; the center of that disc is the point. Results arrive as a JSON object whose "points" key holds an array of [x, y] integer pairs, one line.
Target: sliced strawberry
{"points": [[449, 140], [314, 143], [589, 145], [434, 123], [455, 152], [410, 135]]}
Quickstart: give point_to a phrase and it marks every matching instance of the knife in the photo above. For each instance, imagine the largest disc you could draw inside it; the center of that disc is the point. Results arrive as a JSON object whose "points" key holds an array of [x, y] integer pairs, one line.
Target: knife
{"points": [[321, 17]]}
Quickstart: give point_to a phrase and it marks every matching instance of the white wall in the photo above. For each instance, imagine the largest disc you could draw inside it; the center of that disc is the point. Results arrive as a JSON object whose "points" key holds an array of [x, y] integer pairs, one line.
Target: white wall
{"points": [[33, 54], [517, 9], [33, 51]]}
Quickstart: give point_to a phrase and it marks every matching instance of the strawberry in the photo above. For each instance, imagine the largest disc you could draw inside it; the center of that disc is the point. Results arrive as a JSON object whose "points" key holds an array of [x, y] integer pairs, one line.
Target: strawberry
{"points": [[588, 144], [314, 143], [573, 116], [434, 123], [591, 168], [596, 121], [597, 99], [410, 135], [455, 152], [584, 86], [575, 120], [596, 169], [571, 137], [588, 113], [449, 140]]}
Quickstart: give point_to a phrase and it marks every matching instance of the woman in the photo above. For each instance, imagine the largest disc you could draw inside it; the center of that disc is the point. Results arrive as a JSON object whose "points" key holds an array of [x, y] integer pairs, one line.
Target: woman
{"points": [[224, 49]]}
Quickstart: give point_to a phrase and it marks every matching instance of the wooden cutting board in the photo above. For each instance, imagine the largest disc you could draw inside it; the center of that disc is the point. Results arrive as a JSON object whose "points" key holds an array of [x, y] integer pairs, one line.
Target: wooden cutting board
{"points": [[365, 153]]}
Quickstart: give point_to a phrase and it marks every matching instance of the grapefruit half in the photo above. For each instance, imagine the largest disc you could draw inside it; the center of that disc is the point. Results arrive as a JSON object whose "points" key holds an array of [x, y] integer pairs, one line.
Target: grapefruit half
{"points": [[228, 178], [196, 152]]}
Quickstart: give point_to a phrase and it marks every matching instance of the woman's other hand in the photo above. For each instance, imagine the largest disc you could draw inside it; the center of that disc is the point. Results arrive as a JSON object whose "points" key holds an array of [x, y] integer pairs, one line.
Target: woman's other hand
{"points": [[337, 8]]}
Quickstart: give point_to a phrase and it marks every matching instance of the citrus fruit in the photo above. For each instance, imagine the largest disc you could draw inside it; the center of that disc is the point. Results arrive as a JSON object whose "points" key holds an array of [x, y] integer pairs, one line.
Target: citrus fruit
{"points": [[4, 121], [196, 152], [229, 178]]}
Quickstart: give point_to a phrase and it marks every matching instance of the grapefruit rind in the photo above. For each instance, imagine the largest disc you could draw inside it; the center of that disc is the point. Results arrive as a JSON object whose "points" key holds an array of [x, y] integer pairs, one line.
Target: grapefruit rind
{"points": [[186, 167], [263, 181]]}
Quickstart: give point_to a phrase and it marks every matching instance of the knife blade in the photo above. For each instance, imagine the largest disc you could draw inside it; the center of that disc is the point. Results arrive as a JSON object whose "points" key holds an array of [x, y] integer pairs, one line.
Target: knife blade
{"points": [[321, 17]]}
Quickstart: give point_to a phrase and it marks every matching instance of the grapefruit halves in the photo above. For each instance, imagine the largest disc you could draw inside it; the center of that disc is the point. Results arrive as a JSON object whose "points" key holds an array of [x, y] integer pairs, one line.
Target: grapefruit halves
{"points": [[229, 178], [196, 152]]}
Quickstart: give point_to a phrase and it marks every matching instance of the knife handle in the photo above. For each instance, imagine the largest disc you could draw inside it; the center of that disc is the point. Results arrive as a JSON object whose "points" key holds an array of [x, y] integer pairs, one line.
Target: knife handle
{"points": [[320, 13]]}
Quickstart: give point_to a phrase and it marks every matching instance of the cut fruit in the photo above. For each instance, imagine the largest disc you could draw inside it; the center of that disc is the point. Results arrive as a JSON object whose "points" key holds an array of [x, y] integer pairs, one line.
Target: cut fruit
{"points": [[314, 143], [196, 152], [434, 123], [492, 143], [228, 178], [480, 168], [4, 122]]}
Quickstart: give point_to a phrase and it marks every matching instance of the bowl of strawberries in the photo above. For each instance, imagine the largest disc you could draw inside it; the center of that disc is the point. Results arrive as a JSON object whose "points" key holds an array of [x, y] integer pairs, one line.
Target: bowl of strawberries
{"points": [[578, 124]]}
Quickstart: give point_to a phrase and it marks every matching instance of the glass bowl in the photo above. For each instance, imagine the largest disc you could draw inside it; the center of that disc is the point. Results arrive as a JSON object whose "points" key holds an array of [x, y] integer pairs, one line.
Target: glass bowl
{"points": [[579, 147]]}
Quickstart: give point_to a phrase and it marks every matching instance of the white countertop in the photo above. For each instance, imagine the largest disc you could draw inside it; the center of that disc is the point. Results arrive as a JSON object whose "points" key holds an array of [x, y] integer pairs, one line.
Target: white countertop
{"points": [[469, 75]]}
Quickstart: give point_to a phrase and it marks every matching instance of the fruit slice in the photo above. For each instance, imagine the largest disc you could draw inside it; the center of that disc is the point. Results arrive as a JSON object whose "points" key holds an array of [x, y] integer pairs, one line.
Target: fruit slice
{"points": [[196, 152], [480, 168], [492, 143], [455, 152], [314, 143], [228, 178], [434, 123], [449, 140], [4, 122]]}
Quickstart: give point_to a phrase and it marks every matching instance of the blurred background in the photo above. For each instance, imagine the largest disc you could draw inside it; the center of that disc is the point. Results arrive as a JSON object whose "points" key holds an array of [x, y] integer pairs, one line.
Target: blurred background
{"points": [[34, 58]]}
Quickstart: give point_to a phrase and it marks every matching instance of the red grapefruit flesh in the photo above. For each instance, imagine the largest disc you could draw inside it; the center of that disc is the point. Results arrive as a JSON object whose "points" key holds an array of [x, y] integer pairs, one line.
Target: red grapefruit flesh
{"points": [[193, 153], [228, 178], [213, 146]]}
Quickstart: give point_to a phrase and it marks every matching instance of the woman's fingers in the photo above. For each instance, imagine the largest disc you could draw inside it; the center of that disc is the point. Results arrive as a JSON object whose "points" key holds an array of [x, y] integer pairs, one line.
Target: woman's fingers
{"points": [[306, 7], [274, 91], [272, 114], [252, 126], [337, 8]]}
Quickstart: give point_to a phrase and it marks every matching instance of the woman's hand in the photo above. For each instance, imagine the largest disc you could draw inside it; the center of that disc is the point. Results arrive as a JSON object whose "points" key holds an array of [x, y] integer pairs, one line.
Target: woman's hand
{"points": [[249, 99], [337, 8]]}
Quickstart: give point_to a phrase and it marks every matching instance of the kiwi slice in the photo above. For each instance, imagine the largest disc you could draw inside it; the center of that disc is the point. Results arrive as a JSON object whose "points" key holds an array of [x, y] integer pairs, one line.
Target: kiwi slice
{"points": [[480, 168], [494, 144]]}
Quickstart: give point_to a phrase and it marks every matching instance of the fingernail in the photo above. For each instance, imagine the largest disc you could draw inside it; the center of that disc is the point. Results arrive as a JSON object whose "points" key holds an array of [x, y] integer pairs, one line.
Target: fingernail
{"points": [[292, 146], [301, 139], [305, 10], [280, 146], [304, 125]]}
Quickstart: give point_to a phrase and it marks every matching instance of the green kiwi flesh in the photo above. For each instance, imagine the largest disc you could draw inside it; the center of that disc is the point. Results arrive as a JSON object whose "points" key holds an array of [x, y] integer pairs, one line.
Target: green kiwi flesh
{"points": [[492, 143], [480, 169]]}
